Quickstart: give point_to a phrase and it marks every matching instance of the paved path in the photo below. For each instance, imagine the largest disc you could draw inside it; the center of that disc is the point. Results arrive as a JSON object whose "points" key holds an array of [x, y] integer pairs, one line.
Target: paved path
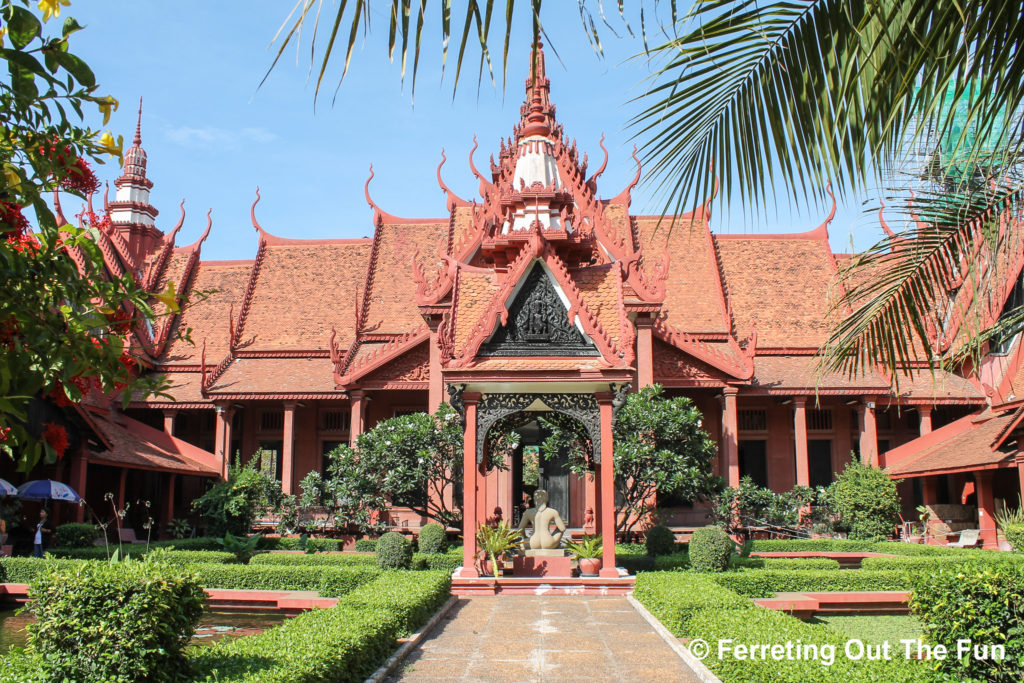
{"points": [[556, 638]]}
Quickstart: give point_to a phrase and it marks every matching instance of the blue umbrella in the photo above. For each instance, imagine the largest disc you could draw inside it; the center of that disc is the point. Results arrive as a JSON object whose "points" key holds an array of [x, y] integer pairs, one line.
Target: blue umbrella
{"points": [[7, 489], [47, 489]]}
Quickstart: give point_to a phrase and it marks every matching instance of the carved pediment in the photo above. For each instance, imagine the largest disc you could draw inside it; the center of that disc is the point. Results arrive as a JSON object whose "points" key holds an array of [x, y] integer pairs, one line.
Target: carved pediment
{"points": [[412, 366], [671, 363], [538, 324]]}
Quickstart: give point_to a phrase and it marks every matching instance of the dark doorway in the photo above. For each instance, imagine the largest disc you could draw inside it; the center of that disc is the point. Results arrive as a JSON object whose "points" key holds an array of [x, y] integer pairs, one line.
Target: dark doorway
{"points": [[819, 455], [531, 471], [754, 462]]}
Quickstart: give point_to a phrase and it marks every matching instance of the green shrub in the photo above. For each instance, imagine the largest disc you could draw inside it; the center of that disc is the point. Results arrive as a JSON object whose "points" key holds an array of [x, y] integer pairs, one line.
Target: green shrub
{"points": [[447, 561], [343, 644], [231, 506], [979, 604], [765, 583], [394, 551], [170, 555], [114, 622], [75, 535], [318, 560], [1015, 536], [328, 581], [366, 545], [675, 597], [917, 564], [432, 539], [296, 543], [866, 500], [660, 540], [710, 549]]}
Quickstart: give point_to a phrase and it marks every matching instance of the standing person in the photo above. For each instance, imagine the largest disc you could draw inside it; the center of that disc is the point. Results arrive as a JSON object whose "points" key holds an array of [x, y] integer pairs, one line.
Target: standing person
{"points": [[42, 527]]}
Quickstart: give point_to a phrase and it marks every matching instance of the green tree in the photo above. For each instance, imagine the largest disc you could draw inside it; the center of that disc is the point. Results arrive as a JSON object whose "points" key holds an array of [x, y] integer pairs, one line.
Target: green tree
{"points": [[63, 321], [787, 96], [660, 448], [231, 506], [866, 501]]}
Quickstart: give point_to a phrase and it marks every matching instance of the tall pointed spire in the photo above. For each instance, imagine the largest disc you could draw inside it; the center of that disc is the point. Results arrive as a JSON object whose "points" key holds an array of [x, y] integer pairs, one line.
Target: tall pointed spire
{"points": [[537, 113], [131, 213]]}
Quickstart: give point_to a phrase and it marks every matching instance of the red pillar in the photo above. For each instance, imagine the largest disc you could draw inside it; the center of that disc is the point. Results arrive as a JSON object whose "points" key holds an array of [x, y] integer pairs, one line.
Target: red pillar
{"points": [[606, 471], [986, 509], [169, 416], [803, 467], [930, 490], [357, 401], [79, 467], [288, 448], [868, 434], [730, 437], [644, 352], [222, 438], [925, 413], [469, 486], [435, 387], [169, 509]]}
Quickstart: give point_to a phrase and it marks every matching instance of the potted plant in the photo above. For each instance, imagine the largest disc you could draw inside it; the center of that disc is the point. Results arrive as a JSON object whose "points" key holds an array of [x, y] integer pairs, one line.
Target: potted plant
{"points": [[495, 542], [587, 552], [923, 515]]}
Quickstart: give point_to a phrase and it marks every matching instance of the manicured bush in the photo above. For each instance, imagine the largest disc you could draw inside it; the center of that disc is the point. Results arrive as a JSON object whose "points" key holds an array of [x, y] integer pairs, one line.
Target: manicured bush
{"points": [[343, 644], [318, 560], [867, 501], [296, 543], [432, 539], [394, 551], [660, 540], [765, 583], [75, 535], [841, 545], [917, 564], [140, 551], [675, 597], [710, 549], [1015, 536], [983, 605], [328, 581], [114, 622], [447, 561], [366, 545], [800, 563]]}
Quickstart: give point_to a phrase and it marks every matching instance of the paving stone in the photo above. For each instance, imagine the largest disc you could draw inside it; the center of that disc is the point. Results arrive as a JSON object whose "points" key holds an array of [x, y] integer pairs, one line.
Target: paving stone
{"points": [[512, 638]]}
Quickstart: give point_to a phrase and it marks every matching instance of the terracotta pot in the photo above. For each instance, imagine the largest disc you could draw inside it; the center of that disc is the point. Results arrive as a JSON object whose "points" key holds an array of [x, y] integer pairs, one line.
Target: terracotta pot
{"points": [[915, 539], [589, 566]]}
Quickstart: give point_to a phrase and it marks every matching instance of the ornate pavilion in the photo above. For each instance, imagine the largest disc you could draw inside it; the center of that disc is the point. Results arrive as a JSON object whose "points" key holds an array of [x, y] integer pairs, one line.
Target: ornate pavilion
{"points": [[538, 295]]}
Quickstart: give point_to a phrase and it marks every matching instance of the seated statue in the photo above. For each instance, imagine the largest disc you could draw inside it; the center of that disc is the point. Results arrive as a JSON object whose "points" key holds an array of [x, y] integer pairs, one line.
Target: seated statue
{"points": [[541, 518]]}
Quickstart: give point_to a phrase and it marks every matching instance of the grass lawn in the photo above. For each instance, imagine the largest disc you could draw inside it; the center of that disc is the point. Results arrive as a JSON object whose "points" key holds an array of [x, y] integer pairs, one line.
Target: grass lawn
{"points": [[873, 629]]}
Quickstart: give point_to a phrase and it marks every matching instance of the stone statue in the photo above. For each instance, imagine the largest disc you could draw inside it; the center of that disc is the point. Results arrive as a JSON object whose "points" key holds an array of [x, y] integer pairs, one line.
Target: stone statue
{"points": [[541, 518]]}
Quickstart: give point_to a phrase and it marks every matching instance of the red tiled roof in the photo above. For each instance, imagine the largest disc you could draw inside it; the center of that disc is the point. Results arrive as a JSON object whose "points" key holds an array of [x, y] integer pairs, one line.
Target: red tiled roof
{"points": [[303, 290], [391, 300], [778, 286], [140, 446], [600, 288], [185, 388], [937, 386], [798, 372], [209, 319], [965, 444], [475, 291], [693, 300], [276, 376], [174, 272]]}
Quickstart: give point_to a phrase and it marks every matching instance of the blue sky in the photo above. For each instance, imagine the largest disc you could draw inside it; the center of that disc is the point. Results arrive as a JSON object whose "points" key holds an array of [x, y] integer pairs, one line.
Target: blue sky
{"points": [[213, 135]]}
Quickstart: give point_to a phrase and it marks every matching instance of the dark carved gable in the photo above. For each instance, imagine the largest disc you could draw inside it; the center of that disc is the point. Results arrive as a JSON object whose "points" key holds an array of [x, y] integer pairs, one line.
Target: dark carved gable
{"points": [[538, 324]]}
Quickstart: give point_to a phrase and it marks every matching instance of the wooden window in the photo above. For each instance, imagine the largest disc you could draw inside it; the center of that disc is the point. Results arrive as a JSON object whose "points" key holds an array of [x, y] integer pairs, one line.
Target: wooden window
{"points": [[271, 420], [335, 420], [752, 420], [819, 420]]}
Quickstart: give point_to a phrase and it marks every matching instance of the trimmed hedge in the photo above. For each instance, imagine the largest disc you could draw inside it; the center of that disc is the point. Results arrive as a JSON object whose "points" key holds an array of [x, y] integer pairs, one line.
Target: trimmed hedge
{"points": [[432, 539], [765, 583], [139, 551], [660, 540], [394, 551], [926, 562], [642, 562], [318, 560], [366, 545], [448, 561], [344, 644], [710, 549], [1015, 536], [676, 597], [838, 545], [800, 563], [76, 535]]}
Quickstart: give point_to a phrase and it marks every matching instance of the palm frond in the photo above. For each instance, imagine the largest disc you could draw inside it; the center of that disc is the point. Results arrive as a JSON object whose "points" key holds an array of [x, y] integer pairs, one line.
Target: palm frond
{"points": [[904, 303]]}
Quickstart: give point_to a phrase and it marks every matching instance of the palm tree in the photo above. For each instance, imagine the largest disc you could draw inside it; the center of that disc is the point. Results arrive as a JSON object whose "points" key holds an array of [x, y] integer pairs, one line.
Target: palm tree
{"points": [[784, 97]]}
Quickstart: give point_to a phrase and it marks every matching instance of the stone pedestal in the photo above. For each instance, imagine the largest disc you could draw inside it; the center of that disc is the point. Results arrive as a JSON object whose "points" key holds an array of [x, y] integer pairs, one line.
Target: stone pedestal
{"points": [[553, 565]]}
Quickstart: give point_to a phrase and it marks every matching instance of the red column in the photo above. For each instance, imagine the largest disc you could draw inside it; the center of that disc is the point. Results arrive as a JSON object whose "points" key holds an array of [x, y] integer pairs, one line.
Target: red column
{"points": [[288, 448], [803, 467], [169, 510], [357, 400], [606, 471], [435, 387], [868, 434], [986, 509], [926, 419], [469, 486], [930, 490], [644, 352], [79, 468], [122, 488], [730, 437], [222, 438], [169, 416]]}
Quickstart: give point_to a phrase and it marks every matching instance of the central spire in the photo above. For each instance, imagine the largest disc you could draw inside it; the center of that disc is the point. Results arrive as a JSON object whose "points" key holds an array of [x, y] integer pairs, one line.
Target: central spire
{"points": [[537, 113]]}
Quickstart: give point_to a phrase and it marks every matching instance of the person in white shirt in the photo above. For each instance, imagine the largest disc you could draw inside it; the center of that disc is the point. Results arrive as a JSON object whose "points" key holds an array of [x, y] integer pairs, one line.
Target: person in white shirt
{"points": [[43, 527]]}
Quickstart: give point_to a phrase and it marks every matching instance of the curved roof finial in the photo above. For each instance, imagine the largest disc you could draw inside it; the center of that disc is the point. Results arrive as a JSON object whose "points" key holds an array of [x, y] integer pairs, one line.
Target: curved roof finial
{"points": [[58, 210], [625, 194], [181, 221], [252, 215], [106, 200], [592, 182], [832, 214], [706, 206], [209, 224], [453, 199], [881, 219]]}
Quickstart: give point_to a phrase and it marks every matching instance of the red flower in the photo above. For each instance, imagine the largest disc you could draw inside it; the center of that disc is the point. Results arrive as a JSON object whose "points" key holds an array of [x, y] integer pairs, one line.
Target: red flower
{"points": [[120, 321], [4, 433], [60, 397], [27, 244], [56, 437], [80, 178], [10, 215]]}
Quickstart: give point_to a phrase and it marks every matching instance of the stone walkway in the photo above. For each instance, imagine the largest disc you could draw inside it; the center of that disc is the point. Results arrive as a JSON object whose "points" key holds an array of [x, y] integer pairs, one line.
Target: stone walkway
{"points": [[556, 638]]}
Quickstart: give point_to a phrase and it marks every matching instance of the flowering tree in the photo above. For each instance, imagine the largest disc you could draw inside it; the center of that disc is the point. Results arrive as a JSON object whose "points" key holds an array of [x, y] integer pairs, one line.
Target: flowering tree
{"points": [[63, 324]]}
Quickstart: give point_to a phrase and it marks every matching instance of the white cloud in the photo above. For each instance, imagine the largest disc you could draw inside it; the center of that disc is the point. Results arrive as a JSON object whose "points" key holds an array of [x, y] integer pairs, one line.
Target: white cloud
{"points": [[224, 138]]}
